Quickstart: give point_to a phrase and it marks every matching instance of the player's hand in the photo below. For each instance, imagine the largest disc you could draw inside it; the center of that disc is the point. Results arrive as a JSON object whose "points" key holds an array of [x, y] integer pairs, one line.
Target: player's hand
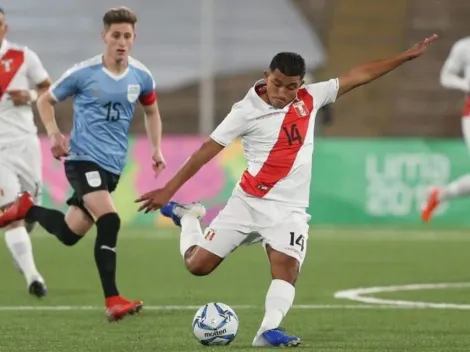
{"points": [[159, 163], [154, 200], [19, 96], [418, 49], [60, 145]]}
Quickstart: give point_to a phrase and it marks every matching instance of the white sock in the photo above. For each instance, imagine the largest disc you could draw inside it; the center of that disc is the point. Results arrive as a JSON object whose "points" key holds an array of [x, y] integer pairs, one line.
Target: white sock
{"points": [[191, 233], [279, 300], [458, 188], [19, 244]]}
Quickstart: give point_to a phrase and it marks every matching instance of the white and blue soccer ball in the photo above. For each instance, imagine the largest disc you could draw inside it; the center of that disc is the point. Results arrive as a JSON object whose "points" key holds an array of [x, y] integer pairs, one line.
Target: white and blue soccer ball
{"points": [[215, 324]]}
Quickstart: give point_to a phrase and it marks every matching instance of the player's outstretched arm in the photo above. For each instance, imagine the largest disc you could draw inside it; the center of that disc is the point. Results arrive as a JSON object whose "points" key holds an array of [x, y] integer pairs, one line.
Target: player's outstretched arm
{"points": [[451, 76], [156, 199], [45, 105], [370, 71], [153, 125]]}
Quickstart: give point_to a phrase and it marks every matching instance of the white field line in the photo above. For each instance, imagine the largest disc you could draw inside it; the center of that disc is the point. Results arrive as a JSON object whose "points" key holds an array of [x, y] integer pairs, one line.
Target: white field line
{"points": [[194, 308], [363, 295]]}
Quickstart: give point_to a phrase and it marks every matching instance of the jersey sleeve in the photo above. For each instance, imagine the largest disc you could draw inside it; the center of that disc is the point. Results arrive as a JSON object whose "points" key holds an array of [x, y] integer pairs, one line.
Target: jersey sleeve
{"points": [[232, 127], [36, 72], [67, 85], [324, 93], [148, 95]]}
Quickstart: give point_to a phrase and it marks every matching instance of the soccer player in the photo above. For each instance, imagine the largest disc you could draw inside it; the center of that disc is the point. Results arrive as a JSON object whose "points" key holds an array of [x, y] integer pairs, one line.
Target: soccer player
{"points": [[22, 79], [105, 90], [455, 74], [275, 121]]}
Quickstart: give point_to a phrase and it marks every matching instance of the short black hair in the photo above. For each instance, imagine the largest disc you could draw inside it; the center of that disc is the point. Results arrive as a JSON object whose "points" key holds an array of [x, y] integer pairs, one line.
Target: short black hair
{"points": [[290, 64], [1, 11]]}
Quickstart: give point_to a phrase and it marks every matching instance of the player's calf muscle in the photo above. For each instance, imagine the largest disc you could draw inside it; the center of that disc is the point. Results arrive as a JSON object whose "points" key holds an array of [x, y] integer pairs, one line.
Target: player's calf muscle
{"points": [[201, 262], [283, 266]]}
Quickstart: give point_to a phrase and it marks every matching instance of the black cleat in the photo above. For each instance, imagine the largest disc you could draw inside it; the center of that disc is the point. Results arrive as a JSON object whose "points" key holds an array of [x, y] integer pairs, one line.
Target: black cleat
{"points": [[38, 289]]}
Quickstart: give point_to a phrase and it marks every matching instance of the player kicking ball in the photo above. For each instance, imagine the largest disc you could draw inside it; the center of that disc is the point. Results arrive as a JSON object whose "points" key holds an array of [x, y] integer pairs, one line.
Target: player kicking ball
{"points": [[105, 90], [275, 121], [20, 152]]}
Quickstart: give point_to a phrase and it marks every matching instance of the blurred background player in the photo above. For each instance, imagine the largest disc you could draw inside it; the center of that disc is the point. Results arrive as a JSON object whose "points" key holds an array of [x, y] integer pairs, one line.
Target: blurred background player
{"points": [[106, 89], [276, 123], [22, 79], [455, 74]]}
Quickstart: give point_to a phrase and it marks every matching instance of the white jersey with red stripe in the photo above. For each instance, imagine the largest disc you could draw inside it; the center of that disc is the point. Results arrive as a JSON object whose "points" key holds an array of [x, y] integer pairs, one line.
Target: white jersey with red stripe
{"points": [[277, 143], [20, 69], [455, 73]]}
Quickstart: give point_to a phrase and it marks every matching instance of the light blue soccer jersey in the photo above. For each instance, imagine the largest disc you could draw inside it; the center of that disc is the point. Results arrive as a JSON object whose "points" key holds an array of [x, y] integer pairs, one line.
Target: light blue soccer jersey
{"points": [[103, 105]]}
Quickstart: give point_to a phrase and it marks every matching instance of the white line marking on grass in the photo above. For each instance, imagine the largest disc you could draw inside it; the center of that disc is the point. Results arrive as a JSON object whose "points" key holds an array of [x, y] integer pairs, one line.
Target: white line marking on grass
{"points": [[358, 295], [193, 308]]}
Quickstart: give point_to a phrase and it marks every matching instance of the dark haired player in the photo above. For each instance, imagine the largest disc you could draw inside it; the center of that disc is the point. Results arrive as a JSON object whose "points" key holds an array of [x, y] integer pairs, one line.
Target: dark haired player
{"points": [[275, 121]]}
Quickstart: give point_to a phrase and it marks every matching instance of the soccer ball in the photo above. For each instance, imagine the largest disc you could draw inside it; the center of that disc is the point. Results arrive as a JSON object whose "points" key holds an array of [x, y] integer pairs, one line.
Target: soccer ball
{"points": [[215, 324]]}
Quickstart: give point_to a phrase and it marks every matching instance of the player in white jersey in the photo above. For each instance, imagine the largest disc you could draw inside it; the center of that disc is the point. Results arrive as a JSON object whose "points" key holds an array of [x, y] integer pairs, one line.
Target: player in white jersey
{"points": [[455, 74], [275, 121], [22, 78]]}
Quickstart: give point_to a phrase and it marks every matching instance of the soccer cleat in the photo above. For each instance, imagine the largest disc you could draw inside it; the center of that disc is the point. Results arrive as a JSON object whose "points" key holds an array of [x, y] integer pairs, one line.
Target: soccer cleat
{"points": [[176, 211], [431, 205], [276, 338], [17, 211], [37, 288], [118, 307]]}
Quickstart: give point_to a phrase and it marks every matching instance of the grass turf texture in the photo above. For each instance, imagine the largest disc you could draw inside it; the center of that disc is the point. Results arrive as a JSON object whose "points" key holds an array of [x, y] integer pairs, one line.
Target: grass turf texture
{"points": [[150, 268]]}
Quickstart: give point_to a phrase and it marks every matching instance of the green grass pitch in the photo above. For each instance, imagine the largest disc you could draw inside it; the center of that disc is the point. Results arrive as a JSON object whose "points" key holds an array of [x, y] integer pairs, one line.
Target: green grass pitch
{"points": [[150, 268]]}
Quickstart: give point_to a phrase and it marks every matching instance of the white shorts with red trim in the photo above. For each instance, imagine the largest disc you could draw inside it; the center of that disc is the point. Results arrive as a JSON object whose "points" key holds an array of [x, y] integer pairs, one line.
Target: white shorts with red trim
{"points": [[20, 170], [248, 220]]}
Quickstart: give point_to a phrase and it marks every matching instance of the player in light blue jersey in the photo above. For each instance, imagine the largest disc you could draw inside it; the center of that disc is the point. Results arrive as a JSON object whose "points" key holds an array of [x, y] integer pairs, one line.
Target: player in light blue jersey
{"points": [[105, 90]]}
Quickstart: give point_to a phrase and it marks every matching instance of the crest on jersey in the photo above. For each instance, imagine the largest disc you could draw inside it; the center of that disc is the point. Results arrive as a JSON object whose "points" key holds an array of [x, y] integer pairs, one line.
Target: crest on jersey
{"points": [[133, 92], [301, 109]]}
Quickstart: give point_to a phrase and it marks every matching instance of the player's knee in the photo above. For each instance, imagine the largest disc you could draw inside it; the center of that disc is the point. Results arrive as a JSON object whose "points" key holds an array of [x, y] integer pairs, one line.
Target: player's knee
{"points": [[68, 237], [15, 225], [109, 224]]}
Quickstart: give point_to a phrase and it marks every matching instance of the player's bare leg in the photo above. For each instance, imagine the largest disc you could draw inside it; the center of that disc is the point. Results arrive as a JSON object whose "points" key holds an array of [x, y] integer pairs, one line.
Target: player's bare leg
{"points": [[108, 223], [198, 261], [279, 299]]}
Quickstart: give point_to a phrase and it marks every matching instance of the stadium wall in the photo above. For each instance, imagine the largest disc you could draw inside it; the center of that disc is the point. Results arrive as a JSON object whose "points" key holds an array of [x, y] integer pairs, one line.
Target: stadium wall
{"points": [[355, 181]]}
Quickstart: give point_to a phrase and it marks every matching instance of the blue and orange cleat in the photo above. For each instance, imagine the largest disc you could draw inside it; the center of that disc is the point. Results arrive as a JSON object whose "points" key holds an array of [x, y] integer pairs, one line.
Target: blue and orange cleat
{"points": [[275, 338], [175, 211]]}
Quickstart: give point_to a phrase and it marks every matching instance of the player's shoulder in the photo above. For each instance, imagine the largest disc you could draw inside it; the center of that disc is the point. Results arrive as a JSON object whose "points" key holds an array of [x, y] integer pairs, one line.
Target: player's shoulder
{"points": [[139, 66], [462, 43], [17, 47], [85, 65], [319, 87]]}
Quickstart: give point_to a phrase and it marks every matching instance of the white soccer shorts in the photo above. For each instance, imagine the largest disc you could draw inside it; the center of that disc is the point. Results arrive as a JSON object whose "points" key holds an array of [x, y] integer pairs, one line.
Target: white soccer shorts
{"points": [[247, 220], [20, 170]]}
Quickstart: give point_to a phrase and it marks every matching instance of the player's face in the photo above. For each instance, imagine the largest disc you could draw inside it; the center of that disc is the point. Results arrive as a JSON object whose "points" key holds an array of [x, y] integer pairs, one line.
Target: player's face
{"points": [[3, 27], [281, 89], [119, 38]]}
